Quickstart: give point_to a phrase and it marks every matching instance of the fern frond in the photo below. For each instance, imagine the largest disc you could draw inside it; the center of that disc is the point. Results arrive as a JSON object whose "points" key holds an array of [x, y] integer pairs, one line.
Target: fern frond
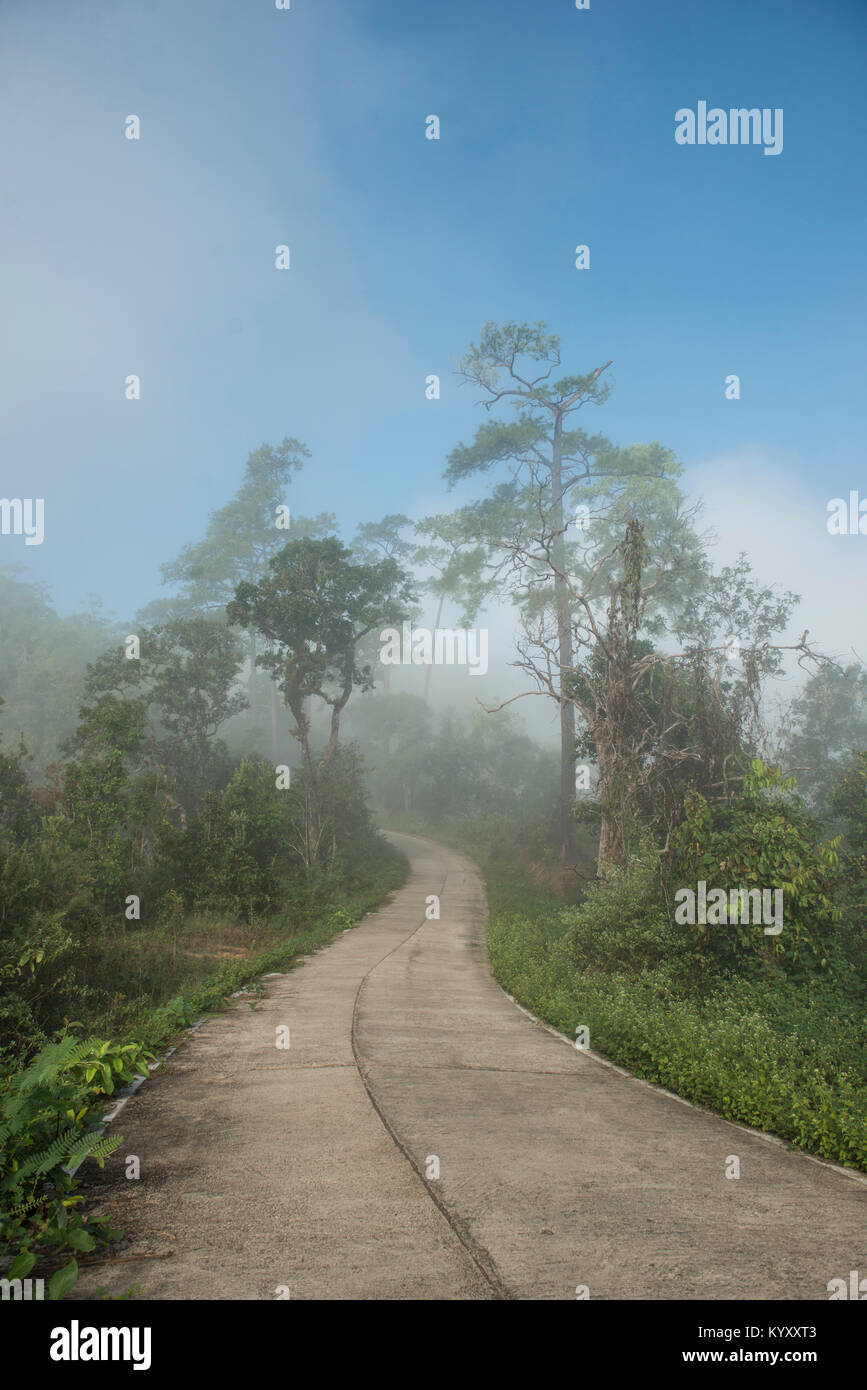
{"points": [[41, 1163], [105, 1147], [81, 1150]]}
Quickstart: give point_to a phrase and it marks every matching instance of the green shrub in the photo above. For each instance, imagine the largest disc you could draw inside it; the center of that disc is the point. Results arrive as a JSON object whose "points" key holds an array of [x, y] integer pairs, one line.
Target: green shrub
{"points": [[764, 837], [49, 1125], [766, 1051], [623, 924]]}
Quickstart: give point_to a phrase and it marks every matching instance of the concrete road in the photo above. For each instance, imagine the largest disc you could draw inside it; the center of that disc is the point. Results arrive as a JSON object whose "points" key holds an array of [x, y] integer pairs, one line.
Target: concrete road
{"points": [[423, 1138]]}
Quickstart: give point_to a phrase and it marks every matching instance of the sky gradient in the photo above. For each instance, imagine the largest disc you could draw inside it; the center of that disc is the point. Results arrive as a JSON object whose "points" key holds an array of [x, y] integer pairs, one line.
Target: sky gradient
{"points": [[306, 127]]}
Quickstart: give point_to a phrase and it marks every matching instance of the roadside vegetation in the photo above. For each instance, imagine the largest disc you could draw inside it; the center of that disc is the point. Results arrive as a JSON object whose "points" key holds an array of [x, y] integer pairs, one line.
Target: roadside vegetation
{"points": [[782, 1054], [673, 779], [190, 799], [149, 869], [774, 1039]]}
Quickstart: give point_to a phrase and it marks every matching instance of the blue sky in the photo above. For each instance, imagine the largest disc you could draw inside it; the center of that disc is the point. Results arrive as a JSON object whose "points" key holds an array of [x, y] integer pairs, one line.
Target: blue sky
{"points": [[306, 127]]}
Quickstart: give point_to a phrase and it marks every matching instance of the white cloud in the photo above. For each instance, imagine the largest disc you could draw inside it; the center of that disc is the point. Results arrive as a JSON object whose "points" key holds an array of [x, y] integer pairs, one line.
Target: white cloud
{"points": [[755, 503]]}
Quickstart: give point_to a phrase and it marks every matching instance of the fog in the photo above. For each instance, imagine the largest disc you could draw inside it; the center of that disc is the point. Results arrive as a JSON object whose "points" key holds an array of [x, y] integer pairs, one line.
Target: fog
{"points": [[433, 539]]}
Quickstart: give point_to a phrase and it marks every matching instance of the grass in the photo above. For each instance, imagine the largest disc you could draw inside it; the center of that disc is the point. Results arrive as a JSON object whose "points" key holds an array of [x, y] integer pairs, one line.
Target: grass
{"points": [[174, 977], [146, 981], [782, 1055], [171, 975], [779, 1062]]}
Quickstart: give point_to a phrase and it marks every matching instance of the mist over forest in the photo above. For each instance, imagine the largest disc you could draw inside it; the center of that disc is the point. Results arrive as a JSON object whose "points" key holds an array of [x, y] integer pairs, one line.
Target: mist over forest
{"points": [[431, 629]]}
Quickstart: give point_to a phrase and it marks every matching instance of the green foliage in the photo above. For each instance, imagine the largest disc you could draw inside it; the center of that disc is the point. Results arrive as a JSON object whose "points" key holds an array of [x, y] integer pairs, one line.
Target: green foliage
{"points": [[184, 686], [763, 837], [48, 1126], [828, 721], [241, 536], [18, 814], [848, 800], [449, 765], [554, 467], [66, 950], [46, 890], [848, 803], [236, 854], [246, 849], [763, 1052], [147, 802], [44, 660], [49, 1109], [111, 799], [686, 719], [623, 926], [314, 607]]}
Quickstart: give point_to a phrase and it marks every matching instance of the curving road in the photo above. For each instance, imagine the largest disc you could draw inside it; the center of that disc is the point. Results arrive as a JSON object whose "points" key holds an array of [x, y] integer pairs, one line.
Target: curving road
{"points": [[309, 1172]]}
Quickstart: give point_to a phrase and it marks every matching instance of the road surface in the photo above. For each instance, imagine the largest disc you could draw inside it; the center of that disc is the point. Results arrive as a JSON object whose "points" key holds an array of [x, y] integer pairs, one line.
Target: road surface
{"points": [[311, 1171]]}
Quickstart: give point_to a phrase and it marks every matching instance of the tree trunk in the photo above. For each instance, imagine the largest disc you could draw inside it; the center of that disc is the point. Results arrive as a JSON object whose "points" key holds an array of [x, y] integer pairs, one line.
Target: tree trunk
{"points": [[295, 702], [607, 843], [564, 643], [436, 625], [337, 709], [274, 720], [252, 682]]}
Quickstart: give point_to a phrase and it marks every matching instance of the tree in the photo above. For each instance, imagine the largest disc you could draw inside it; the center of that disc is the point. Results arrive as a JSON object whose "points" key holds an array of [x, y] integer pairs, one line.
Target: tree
{"points": [[762, 835], [848, 800], [686, 726], [44, 660], [314, 610], [395, 734], [827, 725], [18, 813], [382, 540], [638, 743], [242, 535], [240, 539], [185, 679], [521, 527], [102, 808]]}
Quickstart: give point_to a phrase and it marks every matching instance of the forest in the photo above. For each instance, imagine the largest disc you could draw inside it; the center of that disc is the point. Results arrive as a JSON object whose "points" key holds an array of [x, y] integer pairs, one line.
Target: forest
{"points": [[191, 796]]}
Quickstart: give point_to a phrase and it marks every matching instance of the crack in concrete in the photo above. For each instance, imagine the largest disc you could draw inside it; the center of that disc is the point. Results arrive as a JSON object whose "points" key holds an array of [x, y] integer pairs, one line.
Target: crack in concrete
{"points": [[480, 1257]]}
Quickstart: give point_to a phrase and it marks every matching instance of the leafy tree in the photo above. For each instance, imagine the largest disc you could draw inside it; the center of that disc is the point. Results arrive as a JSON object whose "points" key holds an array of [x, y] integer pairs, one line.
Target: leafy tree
{"points": [[237, 853], [240, 539], [185, 680], [635, 744], [687, 728], [18, 814], [242, 535], [314, 609], [848, 800], [44, 661], [395, 734], [382, 540], [520, 528], [100, 809], [827, 723], [847, 803], [762, 837], [374, 541], [658, 721]]}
